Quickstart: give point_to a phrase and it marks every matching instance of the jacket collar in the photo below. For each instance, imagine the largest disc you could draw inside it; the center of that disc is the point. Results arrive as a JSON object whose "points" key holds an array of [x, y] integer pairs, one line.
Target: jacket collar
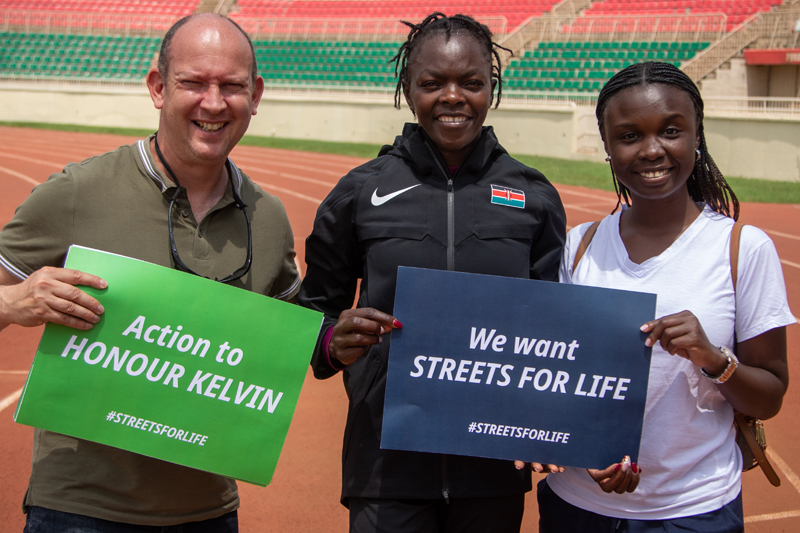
{"points": [[415, 146]]}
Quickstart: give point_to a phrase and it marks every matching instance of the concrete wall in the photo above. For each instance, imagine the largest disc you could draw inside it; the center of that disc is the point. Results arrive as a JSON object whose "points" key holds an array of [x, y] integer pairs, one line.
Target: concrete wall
{"points": [[124, 108], [359, 122], [757, 148]]}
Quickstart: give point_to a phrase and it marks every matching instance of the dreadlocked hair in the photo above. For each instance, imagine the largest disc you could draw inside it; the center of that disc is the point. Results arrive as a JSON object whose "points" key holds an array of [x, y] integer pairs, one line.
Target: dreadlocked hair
{"points": [[434, 24], [706, 184]]}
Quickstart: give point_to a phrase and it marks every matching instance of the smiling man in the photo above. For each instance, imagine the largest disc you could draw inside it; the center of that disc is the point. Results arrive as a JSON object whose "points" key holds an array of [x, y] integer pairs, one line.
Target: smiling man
{"points": [[174, 199]]}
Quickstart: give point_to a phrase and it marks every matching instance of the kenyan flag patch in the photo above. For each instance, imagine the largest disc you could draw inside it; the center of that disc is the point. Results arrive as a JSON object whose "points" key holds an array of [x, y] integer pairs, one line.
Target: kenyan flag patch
{"points": [[509, 197]]}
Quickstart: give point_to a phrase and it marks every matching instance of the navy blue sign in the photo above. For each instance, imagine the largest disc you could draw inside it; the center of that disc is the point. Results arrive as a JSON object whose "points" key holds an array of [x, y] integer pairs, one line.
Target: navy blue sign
{"points": [[516, 369]]}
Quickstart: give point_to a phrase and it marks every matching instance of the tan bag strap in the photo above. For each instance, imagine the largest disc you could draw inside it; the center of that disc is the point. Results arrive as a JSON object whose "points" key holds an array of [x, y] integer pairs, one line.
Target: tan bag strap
{"points": [[755, 447], [741, 423], [585, 242], [736, 234]]}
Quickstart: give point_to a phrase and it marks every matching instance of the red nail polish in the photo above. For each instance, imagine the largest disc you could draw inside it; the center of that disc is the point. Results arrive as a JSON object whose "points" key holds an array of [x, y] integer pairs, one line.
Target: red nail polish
{"points": [[397, 323], [617, 467], [635, 468]]}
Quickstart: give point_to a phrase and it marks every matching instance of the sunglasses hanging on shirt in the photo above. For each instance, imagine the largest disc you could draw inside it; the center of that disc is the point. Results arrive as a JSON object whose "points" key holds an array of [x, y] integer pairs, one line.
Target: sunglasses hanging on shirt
{"points": [[179, 264]]}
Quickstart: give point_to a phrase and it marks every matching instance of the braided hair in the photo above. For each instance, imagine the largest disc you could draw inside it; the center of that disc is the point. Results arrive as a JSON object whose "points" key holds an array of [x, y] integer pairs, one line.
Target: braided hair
{"points": [[706, 184], [437, 23]]}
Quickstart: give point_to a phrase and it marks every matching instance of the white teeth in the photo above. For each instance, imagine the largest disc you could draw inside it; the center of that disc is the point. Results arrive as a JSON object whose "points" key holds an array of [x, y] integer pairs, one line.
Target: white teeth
{"points": [[208, 126], [656, 174], [452, 119]]}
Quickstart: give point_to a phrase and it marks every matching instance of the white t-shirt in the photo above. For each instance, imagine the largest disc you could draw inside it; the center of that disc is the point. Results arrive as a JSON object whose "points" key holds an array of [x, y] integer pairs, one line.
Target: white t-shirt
{"points": [[689, 459]]}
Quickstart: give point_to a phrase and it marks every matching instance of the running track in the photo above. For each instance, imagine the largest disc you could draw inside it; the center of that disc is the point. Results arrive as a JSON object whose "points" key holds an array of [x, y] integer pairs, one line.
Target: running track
{"points": [[304, 494]]}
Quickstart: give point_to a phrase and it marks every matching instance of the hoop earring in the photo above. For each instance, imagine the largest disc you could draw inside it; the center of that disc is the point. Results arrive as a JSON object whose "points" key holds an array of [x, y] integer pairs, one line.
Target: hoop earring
{"points": [[699, 154], [608, 159]]}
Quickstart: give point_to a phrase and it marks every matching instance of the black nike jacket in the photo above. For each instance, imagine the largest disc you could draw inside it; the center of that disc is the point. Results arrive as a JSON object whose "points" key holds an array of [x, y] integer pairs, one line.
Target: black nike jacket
{"points": [[405, 208]]}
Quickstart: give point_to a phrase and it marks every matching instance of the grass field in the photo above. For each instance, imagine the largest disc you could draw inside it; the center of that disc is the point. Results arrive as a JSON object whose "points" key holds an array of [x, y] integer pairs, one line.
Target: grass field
{"points": [[566, 171]]}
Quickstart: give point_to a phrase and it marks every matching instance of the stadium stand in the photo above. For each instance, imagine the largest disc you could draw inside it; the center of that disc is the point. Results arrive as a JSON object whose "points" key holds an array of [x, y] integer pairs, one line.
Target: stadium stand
{"points": [[737, 11], [321, 62], [136, 7], [515, 11], [585, 66], [83, 56], [584, 53]]}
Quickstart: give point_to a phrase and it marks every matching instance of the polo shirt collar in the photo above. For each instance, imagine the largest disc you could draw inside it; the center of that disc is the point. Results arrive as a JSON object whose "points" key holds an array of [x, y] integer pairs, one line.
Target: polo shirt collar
{"points": [[165, 183]]}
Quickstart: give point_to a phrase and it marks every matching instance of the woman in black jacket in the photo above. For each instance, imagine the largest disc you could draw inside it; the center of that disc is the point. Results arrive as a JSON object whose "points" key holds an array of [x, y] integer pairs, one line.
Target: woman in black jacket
{"points": [[430, 201]]}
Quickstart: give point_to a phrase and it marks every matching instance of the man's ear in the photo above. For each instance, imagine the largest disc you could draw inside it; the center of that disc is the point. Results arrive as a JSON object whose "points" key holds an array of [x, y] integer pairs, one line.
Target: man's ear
{"points": [[155, 84], [258, 91]]}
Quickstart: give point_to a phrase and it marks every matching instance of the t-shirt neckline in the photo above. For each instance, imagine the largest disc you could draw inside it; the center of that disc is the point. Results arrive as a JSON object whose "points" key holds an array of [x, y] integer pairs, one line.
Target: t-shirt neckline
{"points": [[640, 269]]}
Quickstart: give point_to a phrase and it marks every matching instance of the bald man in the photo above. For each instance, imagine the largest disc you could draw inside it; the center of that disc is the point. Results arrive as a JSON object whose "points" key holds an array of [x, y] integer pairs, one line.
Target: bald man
{"points": [[174, 199]]}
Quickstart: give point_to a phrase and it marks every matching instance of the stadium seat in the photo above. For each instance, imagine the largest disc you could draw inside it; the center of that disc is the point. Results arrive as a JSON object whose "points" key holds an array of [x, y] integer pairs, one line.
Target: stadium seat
{"points": [[586, 66], [83, 56]]}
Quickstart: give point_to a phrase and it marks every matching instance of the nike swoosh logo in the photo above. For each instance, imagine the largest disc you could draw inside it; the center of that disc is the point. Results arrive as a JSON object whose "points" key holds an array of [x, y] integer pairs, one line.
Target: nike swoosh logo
{"points": [[380, 200]]}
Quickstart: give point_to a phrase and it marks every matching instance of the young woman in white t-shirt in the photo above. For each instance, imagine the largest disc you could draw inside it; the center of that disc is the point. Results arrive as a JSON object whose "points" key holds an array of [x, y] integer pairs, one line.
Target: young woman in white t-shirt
{"points": [[672, 238]]}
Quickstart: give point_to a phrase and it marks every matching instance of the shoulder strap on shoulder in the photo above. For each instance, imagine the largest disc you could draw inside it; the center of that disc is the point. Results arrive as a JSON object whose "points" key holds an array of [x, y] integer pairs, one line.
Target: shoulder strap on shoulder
{"points": [[585, 242], [736, 234]]}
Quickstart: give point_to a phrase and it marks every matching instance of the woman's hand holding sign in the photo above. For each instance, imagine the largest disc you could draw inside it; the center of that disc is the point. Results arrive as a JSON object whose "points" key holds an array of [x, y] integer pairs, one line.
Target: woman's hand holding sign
{"points": [[682, 334], [761, 376], [540, 468], [620, 477], [49, 295], [357, 330]]}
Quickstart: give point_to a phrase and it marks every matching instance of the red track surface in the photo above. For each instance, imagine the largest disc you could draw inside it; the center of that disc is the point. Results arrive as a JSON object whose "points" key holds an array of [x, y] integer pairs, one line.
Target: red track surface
{"points": [[304, 494]]}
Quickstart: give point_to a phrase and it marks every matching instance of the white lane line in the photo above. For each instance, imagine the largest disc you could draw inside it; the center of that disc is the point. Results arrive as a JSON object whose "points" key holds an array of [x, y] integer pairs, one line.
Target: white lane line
{"points": [[771, 516], [789, 263], [791, 477], [784, 467], [20, 176], [595, 204], [8, 400], [781, 234], [280, 163], [288, 191], [291, 176], [585, 194], [32, 160], [14, 372], [579, 208], [53, 151], [286, 153]]}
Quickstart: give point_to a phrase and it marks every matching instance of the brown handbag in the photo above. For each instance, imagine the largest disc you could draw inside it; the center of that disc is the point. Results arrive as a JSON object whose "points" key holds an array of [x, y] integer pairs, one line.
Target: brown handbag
{"points": [[750, 436]]}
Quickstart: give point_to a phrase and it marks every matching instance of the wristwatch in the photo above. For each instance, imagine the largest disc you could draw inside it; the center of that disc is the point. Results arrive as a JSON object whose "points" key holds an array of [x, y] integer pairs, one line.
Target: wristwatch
{"points": [[733, 364]]}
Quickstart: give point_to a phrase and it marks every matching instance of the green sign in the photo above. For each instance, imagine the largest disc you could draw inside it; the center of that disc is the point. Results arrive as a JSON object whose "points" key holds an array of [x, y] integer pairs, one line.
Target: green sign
{"points": [[179, 368]]}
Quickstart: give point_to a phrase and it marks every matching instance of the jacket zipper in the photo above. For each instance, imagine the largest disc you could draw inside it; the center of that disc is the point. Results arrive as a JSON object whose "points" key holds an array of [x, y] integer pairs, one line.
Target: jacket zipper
{"points": [[451, 202], [451, 226], [451, 265]]}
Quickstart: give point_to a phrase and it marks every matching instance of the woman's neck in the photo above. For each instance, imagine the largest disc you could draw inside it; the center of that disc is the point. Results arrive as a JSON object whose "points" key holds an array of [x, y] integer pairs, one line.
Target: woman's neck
{"points": [[649, 227]]}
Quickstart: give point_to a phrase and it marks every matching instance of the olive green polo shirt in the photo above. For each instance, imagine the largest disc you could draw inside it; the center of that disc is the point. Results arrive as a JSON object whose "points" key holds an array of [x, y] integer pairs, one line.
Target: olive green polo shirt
{"points": [[118, 202]]}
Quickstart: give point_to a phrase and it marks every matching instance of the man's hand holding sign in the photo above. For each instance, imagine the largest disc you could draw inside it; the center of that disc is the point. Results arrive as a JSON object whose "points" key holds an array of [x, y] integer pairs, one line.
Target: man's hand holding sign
{"points": [[50, 294]]}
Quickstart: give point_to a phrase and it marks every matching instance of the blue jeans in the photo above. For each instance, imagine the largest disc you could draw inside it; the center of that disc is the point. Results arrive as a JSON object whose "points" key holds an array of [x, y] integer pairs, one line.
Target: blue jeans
{"points": [[558, 516], [41, 520]]}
